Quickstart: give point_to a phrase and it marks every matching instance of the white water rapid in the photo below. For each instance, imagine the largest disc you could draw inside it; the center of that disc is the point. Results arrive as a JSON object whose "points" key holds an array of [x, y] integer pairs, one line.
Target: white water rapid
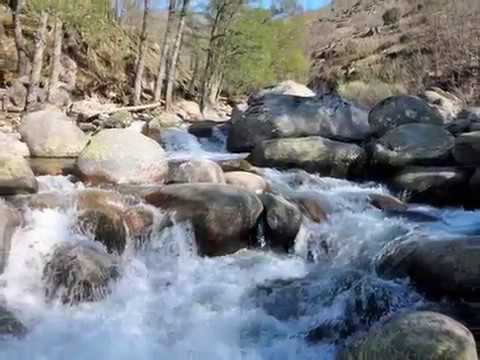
{"points": [[171, 304]]}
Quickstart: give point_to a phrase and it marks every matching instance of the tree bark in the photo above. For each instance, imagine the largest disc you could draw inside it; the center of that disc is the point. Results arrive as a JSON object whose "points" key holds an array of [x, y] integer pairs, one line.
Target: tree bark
{"points": [[22, 62], [172, 7], [56, 59], [141, 55], [37, 63], [175, 53]]}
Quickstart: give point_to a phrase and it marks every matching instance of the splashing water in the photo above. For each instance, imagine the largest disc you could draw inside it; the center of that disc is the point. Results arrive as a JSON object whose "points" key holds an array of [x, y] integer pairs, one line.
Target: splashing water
{"points": [[170, 303]]}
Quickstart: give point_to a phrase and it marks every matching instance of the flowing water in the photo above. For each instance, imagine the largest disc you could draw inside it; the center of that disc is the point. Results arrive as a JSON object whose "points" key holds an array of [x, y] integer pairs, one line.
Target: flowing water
{"points": [[171, 304]]}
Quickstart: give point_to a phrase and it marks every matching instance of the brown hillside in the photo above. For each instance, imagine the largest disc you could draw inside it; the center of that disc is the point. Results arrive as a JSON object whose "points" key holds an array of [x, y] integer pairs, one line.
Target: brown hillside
{"points": [[369, 49]]}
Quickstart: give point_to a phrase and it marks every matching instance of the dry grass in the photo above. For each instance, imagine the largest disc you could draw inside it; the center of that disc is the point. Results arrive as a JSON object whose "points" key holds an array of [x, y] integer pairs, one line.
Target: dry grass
{"points": [[369, 93]]}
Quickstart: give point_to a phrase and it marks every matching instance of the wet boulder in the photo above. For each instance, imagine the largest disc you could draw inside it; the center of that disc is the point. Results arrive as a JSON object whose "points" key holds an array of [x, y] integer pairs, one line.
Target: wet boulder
{"points": [[467, 148], [10, 219], [10, 325], [247, 180], [197, 171], [439, 267], [415, 335], [284, 116], [52, 134], [16, 176], [413, 144], [102, 214], [387, 202], [79, 273], [224, 217], [400, 110], [314, 206], [12, 145], [282, 221], [123, 156], [439, 185], [139, 221], [313, 154]]}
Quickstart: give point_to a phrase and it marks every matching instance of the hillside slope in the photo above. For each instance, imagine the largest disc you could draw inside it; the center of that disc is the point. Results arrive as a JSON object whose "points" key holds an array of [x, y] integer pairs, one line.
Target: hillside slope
{"points": [[368, 49]]}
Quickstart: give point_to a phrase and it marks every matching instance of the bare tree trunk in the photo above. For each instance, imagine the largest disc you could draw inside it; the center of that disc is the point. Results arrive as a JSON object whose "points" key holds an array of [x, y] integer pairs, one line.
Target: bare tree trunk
{"points": [[22, 63], [37, 63], [175, 52], [193, 79], [172, 7], [137, 93], [56, 59]]}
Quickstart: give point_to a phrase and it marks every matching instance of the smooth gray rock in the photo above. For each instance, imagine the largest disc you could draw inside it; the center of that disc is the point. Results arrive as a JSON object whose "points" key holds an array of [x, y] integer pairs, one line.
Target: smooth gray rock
{"points": [[52, 134], [400, 110], [413, 144], [314, 154], [123, 156], [16, 176], [467, 148], [284, 116], [415, 335]]}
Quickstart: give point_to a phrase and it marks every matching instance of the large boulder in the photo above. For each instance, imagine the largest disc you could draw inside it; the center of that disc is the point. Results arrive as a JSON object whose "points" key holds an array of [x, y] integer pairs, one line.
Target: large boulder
{"points": [[282, 221], [79, 273], [16, 176], [197, 171], [440, 267], [102, 214], [9, 221], [415, 335], [224, 217], [52, 134], [10, 144], [284, 116], [442, 185], [247, 180], [400, 110], [413, 144], [467, 148], [314, 154], [123, 156]]}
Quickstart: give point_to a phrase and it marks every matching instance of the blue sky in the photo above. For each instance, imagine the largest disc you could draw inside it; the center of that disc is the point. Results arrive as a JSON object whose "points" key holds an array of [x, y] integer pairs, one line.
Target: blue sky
{"points": [[307, 4]]}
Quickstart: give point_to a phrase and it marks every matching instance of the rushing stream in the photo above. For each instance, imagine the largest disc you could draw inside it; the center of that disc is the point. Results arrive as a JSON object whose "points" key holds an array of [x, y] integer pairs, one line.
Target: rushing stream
{"points": [[172, 304]]}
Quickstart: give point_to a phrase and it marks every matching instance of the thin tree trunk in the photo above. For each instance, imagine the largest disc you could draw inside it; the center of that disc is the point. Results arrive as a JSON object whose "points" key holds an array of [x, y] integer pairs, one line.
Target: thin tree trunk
{"points": [[22, 63], [56, 59], [37, 63], [195, 68], [172, 7], [175, 52], [141, 55]]}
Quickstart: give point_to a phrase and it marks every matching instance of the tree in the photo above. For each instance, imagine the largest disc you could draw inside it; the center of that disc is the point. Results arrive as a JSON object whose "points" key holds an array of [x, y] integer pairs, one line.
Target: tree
{"points": [[141, 55], [166, 46], [56, 66], [221, 14], [37, 63], [175, 52], [23, 62]]}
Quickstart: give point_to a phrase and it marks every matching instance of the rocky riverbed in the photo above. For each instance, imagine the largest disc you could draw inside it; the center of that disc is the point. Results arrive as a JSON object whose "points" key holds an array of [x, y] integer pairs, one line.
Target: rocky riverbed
{"points": [[304, 228]]}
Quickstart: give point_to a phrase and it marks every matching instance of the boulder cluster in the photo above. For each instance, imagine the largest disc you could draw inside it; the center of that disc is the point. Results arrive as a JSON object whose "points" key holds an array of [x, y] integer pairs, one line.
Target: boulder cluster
{"points": [[402, 141]]}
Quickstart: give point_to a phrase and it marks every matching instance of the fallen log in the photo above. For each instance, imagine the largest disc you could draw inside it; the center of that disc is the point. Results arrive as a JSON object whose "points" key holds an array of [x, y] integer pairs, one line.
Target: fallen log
{"points": [[134, 108]]}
